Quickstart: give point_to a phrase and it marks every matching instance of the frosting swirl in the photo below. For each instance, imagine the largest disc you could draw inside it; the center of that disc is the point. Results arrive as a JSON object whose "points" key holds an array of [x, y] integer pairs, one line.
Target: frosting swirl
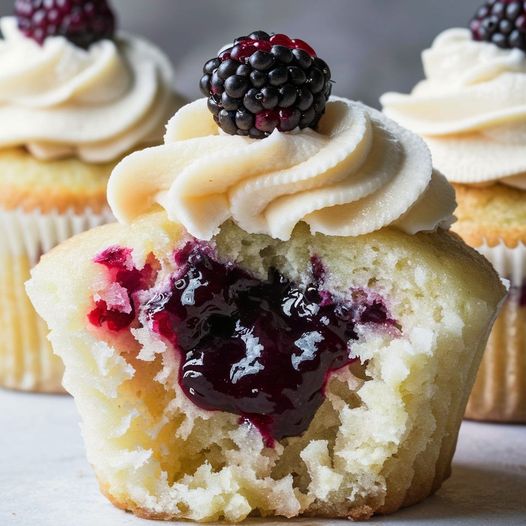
{"points": [[60, 100], [471, 109], [358, 173]]}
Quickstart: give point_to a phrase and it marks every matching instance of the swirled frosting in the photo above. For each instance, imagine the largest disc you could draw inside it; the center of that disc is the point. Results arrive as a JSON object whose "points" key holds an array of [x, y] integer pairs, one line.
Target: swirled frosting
{"points": [[471, 109], [357, 173], [60, 100]]}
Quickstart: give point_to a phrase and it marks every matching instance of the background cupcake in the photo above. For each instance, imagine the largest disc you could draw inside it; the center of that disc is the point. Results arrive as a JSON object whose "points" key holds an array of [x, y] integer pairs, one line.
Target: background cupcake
{"points": [[471, 110], [74, 98]]}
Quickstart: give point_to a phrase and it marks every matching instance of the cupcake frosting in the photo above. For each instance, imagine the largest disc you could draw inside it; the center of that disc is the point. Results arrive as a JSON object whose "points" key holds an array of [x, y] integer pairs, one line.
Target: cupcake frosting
{"points": [[60, 100], [357, 173], [471, 109]]}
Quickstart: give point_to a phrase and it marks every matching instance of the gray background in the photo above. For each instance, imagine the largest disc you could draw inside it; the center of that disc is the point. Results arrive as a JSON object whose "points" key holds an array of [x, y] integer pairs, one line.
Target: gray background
{"points": [[371, 45]]}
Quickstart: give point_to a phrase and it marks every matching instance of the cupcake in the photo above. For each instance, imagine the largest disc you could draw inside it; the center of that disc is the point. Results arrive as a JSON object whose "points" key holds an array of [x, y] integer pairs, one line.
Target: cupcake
{"points": [[281, 324], [471, 111], [75, 97]]}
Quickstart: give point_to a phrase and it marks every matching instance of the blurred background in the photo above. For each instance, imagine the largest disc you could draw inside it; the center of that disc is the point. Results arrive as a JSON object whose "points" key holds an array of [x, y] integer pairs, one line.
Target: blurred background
{"points": [[372, 46]]}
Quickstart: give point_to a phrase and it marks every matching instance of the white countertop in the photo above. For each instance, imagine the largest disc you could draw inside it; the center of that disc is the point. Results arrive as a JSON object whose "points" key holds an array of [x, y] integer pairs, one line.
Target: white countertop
{"points": [[46, 481]]}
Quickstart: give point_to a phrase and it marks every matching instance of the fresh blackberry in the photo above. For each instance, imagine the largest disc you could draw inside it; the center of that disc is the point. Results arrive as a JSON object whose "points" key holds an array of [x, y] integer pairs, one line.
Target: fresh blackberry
{"points": [[265, 82], [82, 22], [502, 22]]}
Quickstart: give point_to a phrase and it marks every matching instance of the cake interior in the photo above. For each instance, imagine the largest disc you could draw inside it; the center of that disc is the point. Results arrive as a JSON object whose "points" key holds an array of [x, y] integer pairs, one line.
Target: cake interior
{"points": [[263, 349], [163, 337]]}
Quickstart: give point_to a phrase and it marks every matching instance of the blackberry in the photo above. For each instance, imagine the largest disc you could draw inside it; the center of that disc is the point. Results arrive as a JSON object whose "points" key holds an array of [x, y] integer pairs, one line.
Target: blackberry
{"points": [[265, 82], [502, 22], [82, 22]]}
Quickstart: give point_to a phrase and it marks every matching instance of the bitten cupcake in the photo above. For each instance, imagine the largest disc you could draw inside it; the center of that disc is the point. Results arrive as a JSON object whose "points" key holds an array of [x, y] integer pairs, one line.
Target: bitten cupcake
{"points": [[74, 98], [282, 324], [471, 111]]}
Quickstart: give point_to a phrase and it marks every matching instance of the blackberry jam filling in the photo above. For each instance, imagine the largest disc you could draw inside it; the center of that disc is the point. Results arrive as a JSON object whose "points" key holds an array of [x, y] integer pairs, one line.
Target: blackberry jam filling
{"points": [[262, 349]]}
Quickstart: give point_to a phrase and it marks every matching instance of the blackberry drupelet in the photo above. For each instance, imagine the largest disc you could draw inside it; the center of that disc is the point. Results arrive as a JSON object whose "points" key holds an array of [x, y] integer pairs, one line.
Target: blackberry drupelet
{"points": [[265, 82], [82, 22], [502, 22]]}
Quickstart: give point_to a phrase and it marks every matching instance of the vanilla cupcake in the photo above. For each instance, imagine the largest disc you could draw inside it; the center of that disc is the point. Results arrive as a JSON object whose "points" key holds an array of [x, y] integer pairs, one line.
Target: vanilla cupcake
{"points": [[74, 98], [282, 324], [471, 111]]}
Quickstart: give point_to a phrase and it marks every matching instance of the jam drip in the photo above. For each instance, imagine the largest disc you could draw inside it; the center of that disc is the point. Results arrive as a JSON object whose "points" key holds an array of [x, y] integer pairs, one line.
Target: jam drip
{"points": [[261, 349]]}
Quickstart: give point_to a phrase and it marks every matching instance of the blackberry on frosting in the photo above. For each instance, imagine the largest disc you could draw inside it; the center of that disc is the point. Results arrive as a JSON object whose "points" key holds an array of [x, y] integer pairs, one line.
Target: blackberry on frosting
{"points": [[502, 22], [265, 82], [81, 22]]}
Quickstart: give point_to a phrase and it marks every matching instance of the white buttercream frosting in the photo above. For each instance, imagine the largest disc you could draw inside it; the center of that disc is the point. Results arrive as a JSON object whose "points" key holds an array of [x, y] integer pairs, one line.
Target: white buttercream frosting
{"points": [[359, 172], [59, 100], [471, 109]]}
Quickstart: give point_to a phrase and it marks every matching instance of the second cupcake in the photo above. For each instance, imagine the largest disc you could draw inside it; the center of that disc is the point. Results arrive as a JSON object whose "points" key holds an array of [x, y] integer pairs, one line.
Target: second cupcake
{"points": [[471, 110], [75, 96]]}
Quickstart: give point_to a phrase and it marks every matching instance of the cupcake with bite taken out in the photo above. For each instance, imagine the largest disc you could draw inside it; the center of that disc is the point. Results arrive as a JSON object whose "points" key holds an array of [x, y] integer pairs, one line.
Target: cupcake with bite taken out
{"points": [[75, 97], [471, 111], [281, 324]]}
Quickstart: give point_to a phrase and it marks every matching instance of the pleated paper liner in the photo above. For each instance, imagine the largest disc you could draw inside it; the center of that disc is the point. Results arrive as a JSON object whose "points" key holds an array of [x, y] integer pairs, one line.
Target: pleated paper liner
{"points": [[26, 359], [499, 393]]}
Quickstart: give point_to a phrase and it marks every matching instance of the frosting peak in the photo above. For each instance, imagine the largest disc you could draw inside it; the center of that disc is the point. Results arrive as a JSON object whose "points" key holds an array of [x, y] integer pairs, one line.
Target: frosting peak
{"points": [[358, 173], [456, 60], [471, 109], [58, 99]]}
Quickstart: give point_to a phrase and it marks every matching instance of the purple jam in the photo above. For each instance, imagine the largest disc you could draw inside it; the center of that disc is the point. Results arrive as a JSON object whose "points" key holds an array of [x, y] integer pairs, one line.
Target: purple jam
{"points": [[261, 349]]}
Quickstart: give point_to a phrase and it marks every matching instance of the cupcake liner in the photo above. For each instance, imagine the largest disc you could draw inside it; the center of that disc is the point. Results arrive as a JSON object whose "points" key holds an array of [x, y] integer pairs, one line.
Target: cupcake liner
{"points": [[499, 393], [26, 359]]}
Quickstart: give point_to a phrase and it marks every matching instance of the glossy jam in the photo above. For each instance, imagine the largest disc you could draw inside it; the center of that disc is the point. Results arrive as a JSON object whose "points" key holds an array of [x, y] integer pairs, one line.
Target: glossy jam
{"points": [[261, 349]]}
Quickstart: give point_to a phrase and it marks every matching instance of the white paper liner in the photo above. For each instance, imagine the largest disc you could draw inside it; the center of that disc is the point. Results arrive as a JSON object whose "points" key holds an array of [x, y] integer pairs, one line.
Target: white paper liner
{"points": [[34, 233], [510, 263], [26, 359], [499, 393]]}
